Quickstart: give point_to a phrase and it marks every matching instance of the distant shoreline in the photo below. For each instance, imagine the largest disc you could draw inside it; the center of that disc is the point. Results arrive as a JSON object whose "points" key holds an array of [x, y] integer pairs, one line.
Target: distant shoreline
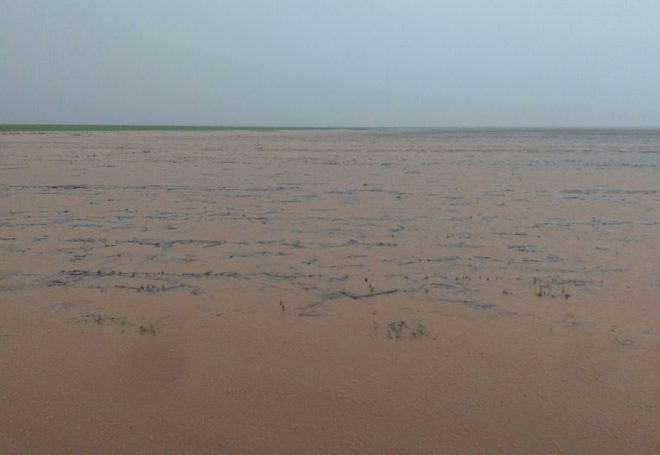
{"points": [[75, 127], [47, 127]]}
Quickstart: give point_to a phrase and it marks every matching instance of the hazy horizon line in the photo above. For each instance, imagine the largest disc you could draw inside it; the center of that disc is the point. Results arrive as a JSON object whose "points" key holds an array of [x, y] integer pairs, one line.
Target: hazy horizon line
{"points": [[19, 127]]}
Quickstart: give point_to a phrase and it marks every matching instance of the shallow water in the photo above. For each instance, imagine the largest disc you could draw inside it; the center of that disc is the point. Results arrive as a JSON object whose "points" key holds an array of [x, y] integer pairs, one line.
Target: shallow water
{"points": [[385, 291]]}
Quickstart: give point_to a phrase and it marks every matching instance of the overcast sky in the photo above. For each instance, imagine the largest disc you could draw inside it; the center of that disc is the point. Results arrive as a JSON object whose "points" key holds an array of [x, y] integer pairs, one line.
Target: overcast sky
{"points": [[331, 63]]}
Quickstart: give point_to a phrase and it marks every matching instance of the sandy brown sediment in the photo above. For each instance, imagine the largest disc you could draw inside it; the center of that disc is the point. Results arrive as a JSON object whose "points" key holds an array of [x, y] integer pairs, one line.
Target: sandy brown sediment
{"points": [[393, 291]]}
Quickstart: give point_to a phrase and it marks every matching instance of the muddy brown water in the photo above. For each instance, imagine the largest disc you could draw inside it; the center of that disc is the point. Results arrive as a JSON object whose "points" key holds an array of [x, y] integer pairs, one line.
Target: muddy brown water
{"points": [[365, 291]]}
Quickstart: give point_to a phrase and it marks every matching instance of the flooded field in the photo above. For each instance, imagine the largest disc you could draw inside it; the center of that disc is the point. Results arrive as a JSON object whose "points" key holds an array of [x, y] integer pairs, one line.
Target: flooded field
{"points": [[362, 291]]}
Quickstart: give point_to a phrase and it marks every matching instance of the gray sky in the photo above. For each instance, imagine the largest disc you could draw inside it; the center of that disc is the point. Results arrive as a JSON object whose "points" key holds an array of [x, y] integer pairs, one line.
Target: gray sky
{"points": [[331, 63]]}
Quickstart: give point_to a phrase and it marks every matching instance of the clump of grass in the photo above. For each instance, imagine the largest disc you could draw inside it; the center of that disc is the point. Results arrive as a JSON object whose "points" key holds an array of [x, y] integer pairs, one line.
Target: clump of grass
{"points": [[147, 329], [398, 330], [419, 331], [395, 329]]}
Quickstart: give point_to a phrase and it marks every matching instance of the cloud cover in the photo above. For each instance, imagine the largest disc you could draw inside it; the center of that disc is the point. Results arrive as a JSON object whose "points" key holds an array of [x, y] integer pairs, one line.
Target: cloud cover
{"points": [[331, 63]]}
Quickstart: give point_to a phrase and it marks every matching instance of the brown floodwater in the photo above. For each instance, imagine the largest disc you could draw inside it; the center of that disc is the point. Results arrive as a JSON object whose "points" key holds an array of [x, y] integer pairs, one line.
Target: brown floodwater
{"points": [[339, 291]]}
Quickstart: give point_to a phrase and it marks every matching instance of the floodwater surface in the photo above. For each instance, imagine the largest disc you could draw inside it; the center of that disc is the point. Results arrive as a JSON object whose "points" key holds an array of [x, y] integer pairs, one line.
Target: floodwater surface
{"points": [[335, 291]]}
